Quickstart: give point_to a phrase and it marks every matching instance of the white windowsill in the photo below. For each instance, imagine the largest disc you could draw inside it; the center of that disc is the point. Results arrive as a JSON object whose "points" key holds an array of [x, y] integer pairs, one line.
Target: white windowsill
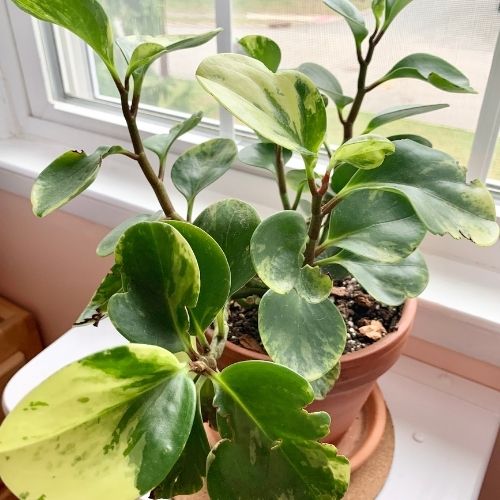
{"points": [[463, 295]]}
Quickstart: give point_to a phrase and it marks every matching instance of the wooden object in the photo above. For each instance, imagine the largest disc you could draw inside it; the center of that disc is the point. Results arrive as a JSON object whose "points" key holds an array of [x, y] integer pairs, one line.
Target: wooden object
{"points": [[19, 342]]}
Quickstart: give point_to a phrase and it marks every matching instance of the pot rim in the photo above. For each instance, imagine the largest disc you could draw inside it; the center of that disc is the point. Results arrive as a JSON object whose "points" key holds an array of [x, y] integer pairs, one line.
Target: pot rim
{"points": [[407, 316]]}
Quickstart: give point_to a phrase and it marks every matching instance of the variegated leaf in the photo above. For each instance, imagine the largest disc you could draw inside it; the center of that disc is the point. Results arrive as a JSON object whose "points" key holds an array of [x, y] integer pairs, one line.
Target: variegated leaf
{"points": [[364, 151], [98, 305], [231, 224], [307, 337], [261, 452], [285, 107], [436, 187], [379, 225], [277, 253], [215, 275], [66, 177], [109, 426], [161, 279], [388, 282], [322, 386], [85, 18]]}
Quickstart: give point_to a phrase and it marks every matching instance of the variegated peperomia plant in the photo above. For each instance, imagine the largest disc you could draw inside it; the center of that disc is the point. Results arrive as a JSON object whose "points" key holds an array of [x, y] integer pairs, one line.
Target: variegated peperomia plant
{"points": [[127, 421]]}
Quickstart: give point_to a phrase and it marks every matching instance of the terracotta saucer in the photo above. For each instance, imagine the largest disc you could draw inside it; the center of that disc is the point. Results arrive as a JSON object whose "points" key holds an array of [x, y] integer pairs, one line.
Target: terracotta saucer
{"points": [[363, 436]]}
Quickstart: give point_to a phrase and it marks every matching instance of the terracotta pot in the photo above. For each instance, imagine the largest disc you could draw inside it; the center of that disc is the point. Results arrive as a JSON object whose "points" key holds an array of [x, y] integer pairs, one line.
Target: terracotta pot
{"points": [[358, 375]]}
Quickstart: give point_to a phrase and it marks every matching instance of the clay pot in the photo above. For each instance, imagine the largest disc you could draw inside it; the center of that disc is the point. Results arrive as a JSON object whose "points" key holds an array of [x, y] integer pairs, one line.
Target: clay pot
{"points": [[358, 375]]}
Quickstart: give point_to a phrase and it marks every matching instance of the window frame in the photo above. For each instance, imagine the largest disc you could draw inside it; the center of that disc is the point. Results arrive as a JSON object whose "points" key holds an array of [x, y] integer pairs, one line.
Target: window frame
{"points": [[42, 109]]}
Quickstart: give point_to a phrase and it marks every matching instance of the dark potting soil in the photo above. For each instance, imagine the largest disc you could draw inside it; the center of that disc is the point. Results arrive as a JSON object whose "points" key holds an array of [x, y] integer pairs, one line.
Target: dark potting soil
{"points": [[366, 319]]}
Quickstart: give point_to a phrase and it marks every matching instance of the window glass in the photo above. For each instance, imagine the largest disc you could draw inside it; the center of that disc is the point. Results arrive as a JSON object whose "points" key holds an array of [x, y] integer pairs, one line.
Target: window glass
{"points": [[494, 173], [461, 31], [170, 83]]}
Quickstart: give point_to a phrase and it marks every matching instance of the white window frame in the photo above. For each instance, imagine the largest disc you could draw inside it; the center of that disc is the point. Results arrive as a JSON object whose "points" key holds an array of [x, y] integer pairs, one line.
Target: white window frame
{"points": [[42, 108]]}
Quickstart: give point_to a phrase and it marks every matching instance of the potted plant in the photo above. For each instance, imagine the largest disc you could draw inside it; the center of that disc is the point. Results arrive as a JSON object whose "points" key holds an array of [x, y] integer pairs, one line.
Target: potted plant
{"points": [[129, 420]]}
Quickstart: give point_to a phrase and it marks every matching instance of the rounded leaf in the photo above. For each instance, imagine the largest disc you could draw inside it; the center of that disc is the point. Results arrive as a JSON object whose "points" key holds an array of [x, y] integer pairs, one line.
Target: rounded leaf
{"points": [[215, 276], [285, 108], [308, 338], [201, 165], [109, 426], [231, 224], [436, 187], [365, 151], [263, 155], [161, 279], [263, 49]]}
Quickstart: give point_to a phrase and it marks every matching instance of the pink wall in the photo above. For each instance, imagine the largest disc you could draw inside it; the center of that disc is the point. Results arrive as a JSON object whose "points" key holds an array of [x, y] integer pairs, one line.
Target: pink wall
{"points": [[48, 266]]}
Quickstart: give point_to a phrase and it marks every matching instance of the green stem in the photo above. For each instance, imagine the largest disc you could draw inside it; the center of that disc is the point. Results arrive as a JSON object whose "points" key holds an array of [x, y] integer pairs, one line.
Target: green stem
{"points": [[200, 335], [161, 170], [298, 197], [190, 205], [220, 335], [280, 173], [328, 150]]}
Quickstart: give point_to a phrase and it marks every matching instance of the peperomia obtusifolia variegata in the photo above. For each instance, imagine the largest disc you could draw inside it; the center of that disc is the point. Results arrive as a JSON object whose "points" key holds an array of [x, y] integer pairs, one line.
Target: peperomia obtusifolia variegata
{"points": [[129, 420]]}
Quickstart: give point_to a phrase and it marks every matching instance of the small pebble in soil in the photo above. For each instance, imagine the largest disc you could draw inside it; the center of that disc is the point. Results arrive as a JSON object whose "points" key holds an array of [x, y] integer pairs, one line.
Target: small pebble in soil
{"points": [[366, 319]]}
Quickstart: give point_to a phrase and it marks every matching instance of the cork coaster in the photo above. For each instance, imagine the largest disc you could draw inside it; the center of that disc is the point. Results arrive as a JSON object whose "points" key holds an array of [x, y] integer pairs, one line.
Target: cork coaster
{"points": [[368, 480]]}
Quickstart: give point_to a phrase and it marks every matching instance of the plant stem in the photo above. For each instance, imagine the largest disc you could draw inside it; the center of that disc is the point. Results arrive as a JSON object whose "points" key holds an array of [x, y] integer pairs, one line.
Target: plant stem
{"points": [[327, 149], [280, 172], [142, 159], [362, 88], [161, 169], [330, 205], [220, 335], [314, 229], [190, 205], [298, 196]]}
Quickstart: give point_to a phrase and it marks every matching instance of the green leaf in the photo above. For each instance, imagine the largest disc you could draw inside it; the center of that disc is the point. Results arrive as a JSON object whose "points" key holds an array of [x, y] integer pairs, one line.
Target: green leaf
{"points": [[312, 285], [263, 452], [263, 155], [231, 224], [160, 144], [98, 305], [297, 179], [161, 279], [388, 282], [186, 476], [285, 108], [308, 338], [379, 225], [353, 17], [263, 49], [109, 426], [411, 137], [392, 9], [324, 385], [365, 151], [108, 244], [341, 176], [378, 9], [276, 249], [202, 165], [66, 177], [85, 18], [215, 276], [277, 253], [436, 186], [141, 51], [326, 82], [399, 112], [431, 69]]}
